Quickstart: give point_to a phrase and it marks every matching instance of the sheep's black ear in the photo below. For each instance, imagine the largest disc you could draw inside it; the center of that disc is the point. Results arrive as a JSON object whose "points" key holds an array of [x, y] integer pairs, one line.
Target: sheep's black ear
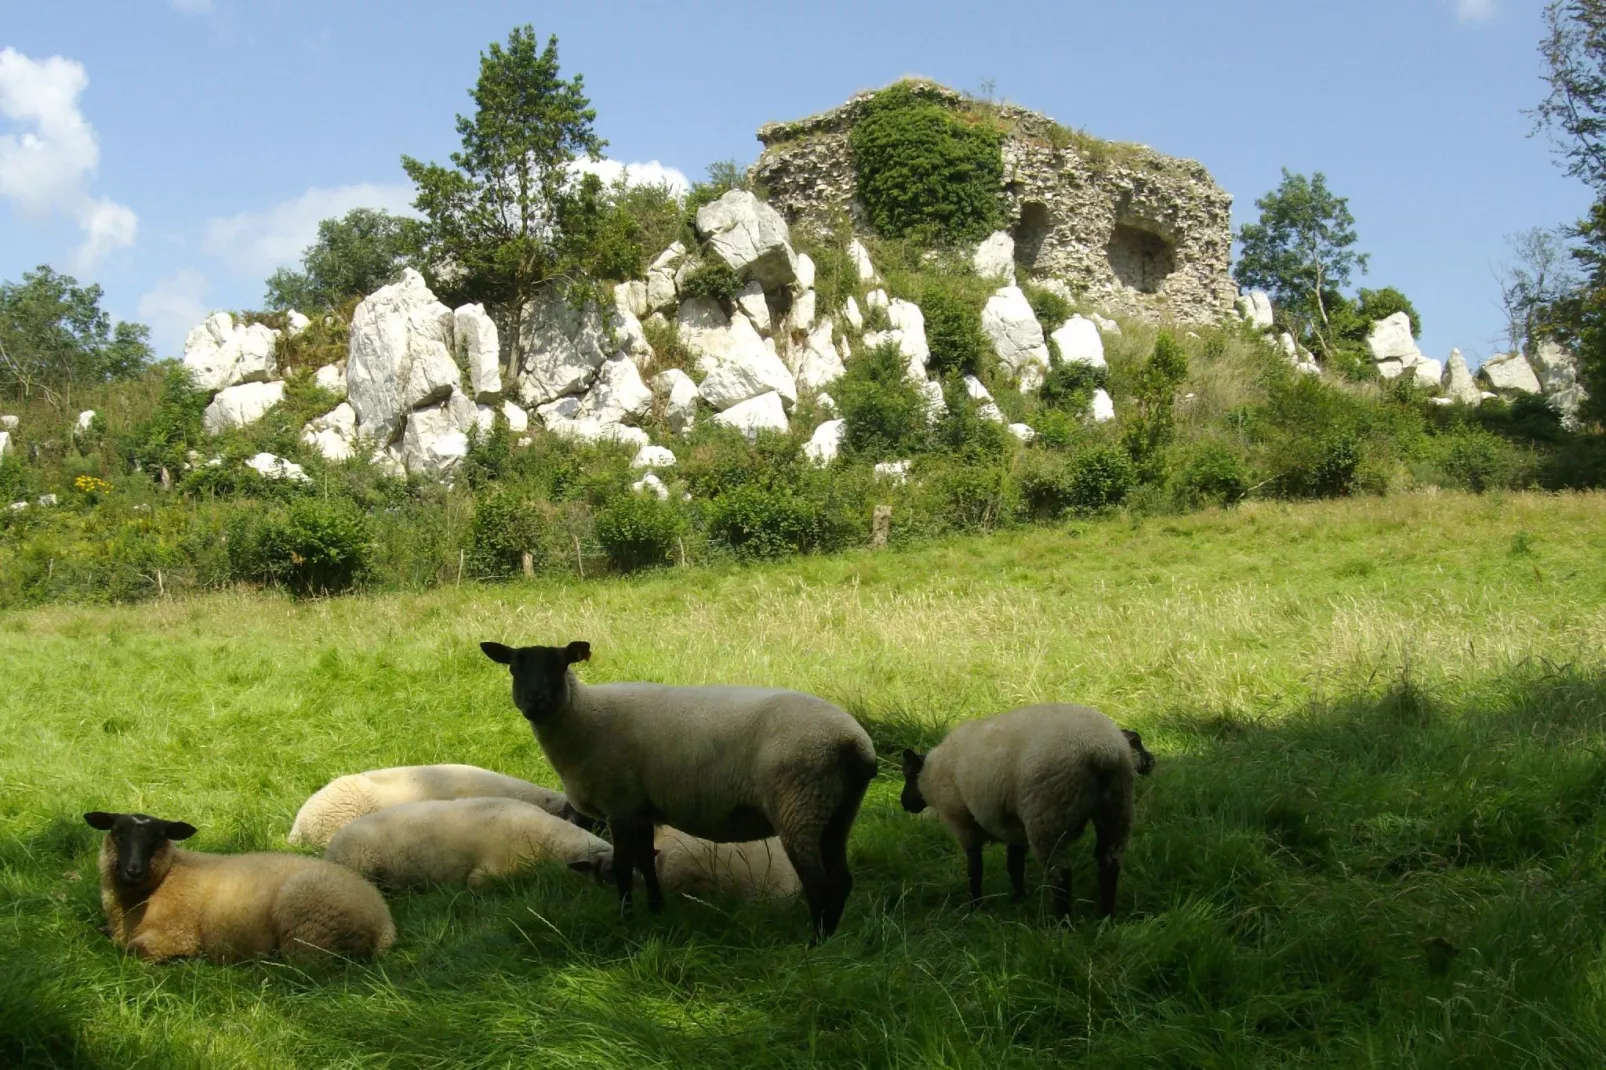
{"points": [[1132, 737], [100, 819], [579, 650], [913, 760], [179, 830], [497, 652]]}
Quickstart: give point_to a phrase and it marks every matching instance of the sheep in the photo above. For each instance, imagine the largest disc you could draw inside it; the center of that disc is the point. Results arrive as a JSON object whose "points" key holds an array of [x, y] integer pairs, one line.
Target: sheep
{"points": [[347, 798], [757, 869], [163, 902], [727, 764], [463, 841], [1033, 777]]}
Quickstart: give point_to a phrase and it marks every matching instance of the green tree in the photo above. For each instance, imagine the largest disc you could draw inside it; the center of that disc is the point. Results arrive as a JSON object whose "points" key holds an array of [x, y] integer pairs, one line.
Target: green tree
{"points": [[55, 337], [1301, 252], [354, 255], [493, 221]]}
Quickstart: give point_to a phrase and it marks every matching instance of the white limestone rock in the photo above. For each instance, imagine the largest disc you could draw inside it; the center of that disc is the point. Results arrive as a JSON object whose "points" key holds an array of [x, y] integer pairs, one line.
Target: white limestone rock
{"points": [[861, 261], [272, 467], [816, 362], [87, 418], [295, 323], [751, 237], [651, 484], [240, 406], [9, 422], [331, 377], [826, 402], [850, 312], [1427, 372], [762, 413], [1017, 337], [936, 404], [631, 296], [801, 317], [662, 291], [479, 348], [734, 361], [986, 407], [893, 471], [628, 337], [822, 447], [1105, 325], [1255, 307], [908, 332], [333, 433], [1509, 373], [5, 443], [994, 258], [1102, 407], [518, 421], [400, 356], [680, 398], [433, 443], [1391, 343], [1457, 382], [590, 430], [220, 353], [561, 346], [618, 395], [1079, 342], [750, 300], [653, 457], [805, 271], [1022, 432], [876, 299]]}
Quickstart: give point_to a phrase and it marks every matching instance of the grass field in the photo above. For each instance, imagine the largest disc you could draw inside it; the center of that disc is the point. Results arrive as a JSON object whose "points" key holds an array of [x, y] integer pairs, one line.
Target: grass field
{"points": [[1376, 837]]}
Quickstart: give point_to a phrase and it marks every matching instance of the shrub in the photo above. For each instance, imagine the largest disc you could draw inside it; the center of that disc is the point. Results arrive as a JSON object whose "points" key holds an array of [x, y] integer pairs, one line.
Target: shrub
{"points": [[1045, 484], [885, 416], [1050, 308], [714, 279], [639, 531], [758, 522], [923, 169], [316, 546], [1470, 458], [504, 528], [1149, 429], [1100, 477], [1068, 385], [173, 427], [969, 497], [1381, 304], [1213, 475], [953, 332]]}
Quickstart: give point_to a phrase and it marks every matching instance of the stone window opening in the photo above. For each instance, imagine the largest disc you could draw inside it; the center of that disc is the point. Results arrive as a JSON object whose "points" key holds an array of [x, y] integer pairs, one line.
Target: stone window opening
{"points": [[1141, 259], [1031, 232]]}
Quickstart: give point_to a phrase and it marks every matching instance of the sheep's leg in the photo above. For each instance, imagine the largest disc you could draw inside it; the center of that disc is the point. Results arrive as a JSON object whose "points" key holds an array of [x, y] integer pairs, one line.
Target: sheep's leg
{"points": [[973, 868], [1113, 831], [1016, 861], [646, 861], [834, 853], [1062, 891], [624, 854]]}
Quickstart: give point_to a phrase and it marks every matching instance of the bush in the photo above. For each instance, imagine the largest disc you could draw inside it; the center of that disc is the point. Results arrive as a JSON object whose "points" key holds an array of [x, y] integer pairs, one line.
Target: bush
{"points": [[923, 170], [1100, 477], [953, 332], [884, 415], [639, 531], [1213, 475], [504, 528], [1068, 385], [757, 522], [1381, 304], [173, 427], [1148, 430], [1050, 308], [1470, 458], [316, 546], [714, 279]]}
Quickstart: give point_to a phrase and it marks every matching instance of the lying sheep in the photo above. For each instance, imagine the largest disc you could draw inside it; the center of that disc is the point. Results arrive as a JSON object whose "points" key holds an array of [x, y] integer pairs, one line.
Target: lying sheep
{"points": [[347, 798], [463, 841], [1033, 777], [164, 902], [757, 869], [724, 763]]}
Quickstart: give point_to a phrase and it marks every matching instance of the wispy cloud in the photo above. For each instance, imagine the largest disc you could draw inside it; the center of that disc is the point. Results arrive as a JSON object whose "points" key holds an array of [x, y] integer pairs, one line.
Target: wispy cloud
{"points": [[172, 307], [256, 243], [636, 174], [46, 165], [1474, 10]]}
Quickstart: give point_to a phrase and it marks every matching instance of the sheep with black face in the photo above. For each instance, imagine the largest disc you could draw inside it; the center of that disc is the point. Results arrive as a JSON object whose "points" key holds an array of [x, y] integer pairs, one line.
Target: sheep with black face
{"points": [[1034, 777], [727, 764]]}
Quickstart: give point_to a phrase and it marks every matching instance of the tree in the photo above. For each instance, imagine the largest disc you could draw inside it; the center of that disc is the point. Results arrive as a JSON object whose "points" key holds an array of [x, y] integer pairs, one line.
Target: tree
{"points": [[353, 256], [494, 221], [1301, 253], [54, 337], [1535, 286]]}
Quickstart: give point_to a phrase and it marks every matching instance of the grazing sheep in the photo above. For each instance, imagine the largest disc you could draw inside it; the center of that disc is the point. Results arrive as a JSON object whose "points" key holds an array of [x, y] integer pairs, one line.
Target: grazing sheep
{"points": [[345, 799], [727, 764], [757, 869], [164, 902], [463, 841], [1033, 777]]}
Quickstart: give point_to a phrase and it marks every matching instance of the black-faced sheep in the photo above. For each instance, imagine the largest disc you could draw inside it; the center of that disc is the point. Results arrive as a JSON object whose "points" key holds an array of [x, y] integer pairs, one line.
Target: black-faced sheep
{"points": [[724, 763], [163, 902], [1033, 777], [463, 841], [345, 799]]}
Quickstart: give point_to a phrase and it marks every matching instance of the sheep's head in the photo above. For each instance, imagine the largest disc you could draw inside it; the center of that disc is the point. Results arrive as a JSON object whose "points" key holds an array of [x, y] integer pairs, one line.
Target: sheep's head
{"points": [[913, 762], [598, 868], [540, 674], [141, 847], [1140, 754]]}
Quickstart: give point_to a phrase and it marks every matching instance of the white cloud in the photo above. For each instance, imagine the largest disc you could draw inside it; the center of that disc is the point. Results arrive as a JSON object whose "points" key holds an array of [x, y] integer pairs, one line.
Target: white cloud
{"points": [[45, 168], [172, 307], [1474, 10], [255, 243], [191, 7], [637, 174]]}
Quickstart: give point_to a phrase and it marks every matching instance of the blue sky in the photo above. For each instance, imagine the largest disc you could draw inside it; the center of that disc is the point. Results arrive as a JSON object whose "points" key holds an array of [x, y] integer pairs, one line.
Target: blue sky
{"points": [[175, 151]]}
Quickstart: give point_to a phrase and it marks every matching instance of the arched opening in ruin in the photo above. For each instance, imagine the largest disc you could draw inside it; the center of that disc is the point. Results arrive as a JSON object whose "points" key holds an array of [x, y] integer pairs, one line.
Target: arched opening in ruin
{"points": [[1141, 259], [1031, 232]]}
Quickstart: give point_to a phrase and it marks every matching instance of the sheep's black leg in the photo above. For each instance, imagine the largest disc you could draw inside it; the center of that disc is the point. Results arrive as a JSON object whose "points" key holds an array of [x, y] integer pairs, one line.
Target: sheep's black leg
{"points": [[973, 865], [839, 881], [1062, 893], [1016, 860], [647, 863], [624, 858], [1109, 876]]}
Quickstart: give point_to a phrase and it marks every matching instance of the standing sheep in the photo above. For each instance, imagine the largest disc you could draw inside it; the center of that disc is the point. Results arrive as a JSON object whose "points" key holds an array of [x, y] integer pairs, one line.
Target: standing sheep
{"points": [[724, 763], [347, 798], [463, 841], [757, 869], [1033, 777], [163, 902]]}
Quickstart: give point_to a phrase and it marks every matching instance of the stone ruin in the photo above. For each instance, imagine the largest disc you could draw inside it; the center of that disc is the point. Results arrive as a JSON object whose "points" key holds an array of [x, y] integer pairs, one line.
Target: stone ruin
{"points": [[1134, 231]]}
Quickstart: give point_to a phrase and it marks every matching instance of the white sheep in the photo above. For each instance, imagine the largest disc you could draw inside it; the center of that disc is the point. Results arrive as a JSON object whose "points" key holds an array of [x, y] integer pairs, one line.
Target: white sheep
{"points": [[727, 764], [1033, 777], [345, 799], [757, 869], [463, 841], [163, 902]]}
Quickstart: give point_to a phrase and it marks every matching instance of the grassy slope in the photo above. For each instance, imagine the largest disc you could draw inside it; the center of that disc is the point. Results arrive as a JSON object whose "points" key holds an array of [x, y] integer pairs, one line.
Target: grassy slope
{"points": [[1375, 836]]}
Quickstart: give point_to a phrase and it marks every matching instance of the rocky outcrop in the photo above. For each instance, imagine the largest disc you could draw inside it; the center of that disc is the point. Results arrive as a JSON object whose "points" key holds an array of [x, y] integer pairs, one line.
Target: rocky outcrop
{"points": [[480, 351], [1255, 308], [1102, 407], [750, 236], [1456, 381], [333, 434], [1079, 341], [331, 377], [400, 357], [1557, 371], [822, 447], [1017, 337], [995, 257], [618, 395], [240, 406], [1509, 374], [562, 343], [1393, 346], [269, 466], [436, 437], [986, 407], [663, 288], [679, 394], [816, 363], [733, 359], [220, 353], [762, 413], [653, 457]]}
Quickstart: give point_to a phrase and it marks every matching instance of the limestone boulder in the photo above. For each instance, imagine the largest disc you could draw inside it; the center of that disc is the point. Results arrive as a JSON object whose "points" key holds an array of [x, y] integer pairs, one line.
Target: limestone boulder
{"points": [[1106, 325], [590, 430], [618, 395], [662, 291], [754, 306], [936, 405], [653, 457], [479, 348], [331, 377], [908, 332], [435, 439], [861, 261], [1255, 307], [5, 443], [518, 421], [269, 466], [805, 271], [334, 433], [751, 237], [1022, 432], [1102, 407], [400, 356], [628, 337], [86, 419], [822, 447], [734, 361], [994, 258], [1008, 321], [1427, 373], [1509, 374], [295, 323], [9, 422], [851, 313], [632, 297], [1392, 344], [816, 363], [1457, 382], [651, 484], [679, 394], [562, 344], [240, 406], [986, 407], [1079, 341], [762, 413], [894, 471], [220, 353], [801, 318], [877, 299]]}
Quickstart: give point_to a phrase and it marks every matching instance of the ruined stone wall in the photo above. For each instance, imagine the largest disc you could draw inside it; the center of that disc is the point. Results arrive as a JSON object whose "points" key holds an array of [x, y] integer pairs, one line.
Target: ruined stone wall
{"points": [[1138, 232]]}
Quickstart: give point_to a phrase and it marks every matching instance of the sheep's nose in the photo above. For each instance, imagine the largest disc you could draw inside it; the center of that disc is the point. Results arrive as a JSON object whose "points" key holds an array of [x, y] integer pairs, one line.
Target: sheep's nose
{"points": [[133, 873]]}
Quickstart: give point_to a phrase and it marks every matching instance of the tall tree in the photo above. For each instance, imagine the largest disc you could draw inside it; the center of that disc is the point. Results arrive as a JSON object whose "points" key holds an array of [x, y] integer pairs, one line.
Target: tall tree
{"points": [[1301, 252], [55, 337], [353, 256], [494, 219]]}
